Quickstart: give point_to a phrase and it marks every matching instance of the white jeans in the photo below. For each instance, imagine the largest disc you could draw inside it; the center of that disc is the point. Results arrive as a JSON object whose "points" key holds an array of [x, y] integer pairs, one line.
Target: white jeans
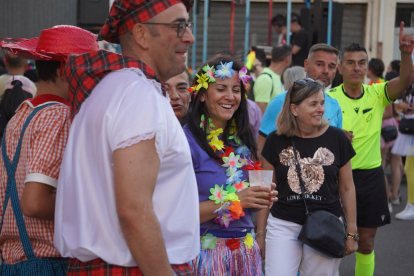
{"points": [[285, 255]]}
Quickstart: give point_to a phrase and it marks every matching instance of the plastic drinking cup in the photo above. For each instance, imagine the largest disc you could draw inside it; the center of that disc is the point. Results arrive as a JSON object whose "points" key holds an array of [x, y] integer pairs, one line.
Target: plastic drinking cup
{"points": [[260, 178]]}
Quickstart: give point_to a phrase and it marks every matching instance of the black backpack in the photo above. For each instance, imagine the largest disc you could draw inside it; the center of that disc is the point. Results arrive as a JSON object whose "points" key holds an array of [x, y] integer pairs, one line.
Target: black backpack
{"points": [[251, 94]]}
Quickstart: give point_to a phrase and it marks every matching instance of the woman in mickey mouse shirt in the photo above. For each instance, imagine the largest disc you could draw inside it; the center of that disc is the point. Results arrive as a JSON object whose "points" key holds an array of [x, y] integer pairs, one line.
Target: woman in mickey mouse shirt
{"points": [[222, 147], [324, 153]]}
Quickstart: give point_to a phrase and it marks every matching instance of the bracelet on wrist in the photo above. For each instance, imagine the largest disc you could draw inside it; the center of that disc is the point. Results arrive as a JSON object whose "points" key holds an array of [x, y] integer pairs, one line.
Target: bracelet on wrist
{"points": [[264, 232]]}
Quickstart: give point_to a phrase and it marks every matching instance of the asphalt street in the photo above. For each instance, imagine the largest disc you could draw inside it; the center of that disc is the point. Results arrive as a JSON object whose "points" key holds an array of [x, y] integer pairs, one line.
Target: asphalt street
{"points": [[394, 247]]}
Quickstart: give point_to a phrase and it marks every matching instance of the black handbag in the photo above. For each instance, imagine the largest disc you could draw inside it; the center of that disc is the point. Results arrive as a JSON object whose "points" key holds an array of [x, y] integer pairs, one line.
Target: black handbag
{"points": [[389, 133], [406, 126], [322, 230]]}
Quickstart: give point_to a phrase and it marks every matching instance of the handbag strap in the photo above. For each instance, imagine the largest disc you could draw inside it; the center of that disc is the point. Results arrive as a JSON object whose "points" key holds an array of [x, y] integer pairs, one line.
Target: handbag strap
{"points": [[11, 189], [302, 185]]}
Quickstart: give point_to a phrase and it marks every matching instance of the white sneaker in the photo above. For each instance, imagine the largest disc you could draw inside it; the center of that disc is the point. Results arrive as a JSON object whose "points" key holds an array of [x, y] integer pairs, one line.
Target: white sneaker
{"points": [[395, 201], [390, 207], [407, 214]]}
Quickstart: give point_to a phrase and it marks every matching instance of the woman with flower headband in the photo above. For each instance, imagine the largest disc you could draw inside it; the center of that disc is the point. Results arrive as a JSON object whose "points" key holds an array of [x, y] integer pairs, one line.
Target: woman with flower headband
{"points": [[223, 148]]}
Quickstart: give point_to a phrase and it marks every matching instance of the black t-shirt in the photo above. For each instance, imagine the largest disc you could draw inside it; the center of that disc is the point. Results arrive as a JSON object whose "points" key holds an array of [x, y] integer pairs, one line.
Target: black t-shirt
{"points": [[320, 158], [300, 39]]}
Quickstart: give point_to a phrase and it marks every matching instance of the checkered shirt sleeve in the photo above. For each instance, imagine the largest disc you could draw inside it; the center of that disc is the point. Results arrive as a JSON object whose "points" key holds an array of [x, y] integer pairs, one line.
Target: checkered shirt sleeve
{"points": [[49, 141]]}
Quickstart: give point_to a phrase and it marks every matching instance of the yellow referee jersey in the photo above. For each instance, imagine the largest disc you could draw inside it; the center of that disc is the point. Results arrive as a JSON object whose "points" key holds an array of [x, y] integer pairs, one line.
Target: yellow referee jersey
{"points": [[363, 117]]}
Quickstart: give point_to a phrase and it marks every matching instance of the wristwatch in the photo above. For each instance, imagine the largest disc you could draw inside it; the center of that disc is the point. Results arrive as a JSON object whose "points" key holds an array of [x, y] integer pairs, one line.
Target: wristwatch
{"points": [[353, 236]]}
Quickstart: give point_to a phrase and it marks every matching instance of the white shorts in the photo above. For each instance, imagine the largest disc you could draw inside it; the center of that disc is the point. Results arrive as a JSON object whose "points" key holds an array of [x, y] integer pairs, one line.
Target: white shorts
{"points": [[285, 255]]}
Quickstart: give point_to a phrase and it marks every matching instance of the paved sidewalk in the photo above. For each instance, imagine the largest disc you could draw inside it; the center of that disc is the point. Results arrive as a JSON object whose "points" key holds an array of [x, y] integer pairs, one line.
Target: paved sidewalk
{"points": [[394, 247]]}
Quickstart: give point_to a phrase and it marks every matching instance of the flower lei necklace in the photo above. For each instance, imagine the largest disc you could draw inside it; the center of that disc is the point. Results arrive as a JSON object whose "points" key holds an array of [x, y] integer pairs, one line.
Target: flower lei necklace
{"points": [[234, 160]]}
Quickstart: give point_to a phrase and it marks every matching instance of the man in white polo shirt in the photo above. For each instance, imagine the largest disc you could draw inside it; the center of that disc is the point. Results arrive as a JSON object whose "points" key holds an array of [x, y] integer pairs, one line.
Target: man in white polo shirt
{"points": [[127, 202]]}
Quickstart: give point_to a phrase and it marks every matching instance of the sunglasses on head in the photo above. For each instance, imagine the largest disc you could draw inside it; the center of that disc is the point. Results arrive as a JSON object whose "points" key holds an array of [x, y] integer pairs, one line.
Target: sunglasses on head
{"points": [[303, 81]]}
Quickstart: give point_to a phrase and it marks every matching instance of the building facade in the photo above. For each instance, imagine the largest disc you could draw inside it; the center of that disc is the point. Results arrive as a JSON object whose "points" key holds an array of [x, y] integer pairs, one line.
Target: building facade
{"points": [[373, 23], [27, 18]]}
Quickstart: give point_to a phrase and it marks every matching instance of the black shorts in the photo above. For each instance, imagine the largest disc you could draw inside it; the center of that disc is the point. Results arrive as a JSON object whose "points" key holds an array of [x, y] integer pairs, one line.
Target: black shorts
{"points": [[371, 198]]}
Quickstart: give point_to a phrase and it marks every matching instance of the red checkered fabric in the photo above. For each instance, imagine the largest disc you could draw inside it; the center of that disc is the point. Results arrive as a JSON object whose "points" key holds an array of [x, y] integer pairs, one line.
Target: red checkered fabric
{"points": [[41, 155], [85, 71], [98, 267], [125, 14]]}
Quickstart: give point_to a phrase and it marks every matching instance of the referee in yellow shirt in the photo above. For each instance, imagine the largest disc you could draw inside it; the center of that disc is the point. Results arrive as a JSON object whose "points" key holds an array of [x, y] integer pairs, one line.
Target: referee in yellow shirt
{"points": [[362, 108]]}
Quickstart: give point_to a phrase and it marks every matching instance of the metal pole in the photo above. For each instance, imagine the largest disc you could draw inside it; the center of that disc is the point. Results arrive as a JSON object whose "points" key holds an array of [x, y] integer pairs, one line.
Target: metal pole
{"points": [[381, 26], [269, 35], [246, 30], [194, 47], [232, 27], [371, 25], [328, 36], [381, 30], [288, 19], [205, 30]]}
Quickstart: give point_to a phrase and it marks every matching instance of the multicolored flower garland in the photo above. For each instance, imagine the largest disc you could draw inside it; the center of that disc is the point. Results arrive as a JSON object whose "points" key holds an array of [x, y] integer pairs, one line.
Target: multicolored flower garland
{"points": [[235, 160], [223, 70]]}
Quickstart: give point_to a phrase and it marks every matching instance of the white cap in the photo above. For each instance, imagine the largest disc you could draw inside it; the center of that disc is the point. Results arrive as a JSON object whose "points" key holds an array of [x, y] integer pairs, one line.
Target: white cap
{"points": [[27, 84]]}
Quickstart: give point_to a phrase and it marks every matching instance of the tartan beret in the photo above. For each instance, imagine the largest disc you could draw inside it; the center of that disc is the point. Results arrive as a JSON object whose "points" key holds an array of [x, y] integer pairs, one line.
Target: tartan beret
{"points": [[124, 14]]}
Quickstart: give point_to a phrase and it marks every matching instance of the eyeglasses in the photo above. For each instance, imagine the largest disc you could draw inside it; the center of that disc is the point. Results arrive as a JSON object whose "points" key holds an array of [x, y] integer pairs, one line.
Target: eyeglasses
{"points": [[303, 81], [179, 26]]}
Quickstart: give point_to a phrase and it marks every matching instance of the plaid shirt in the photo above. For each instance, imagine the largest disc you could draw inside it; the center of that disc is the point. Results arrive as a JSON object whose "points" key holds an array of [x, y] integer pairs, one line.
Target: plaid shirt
{"points": [[125, 14], [85, 71], [98, 267], [41, 155]]}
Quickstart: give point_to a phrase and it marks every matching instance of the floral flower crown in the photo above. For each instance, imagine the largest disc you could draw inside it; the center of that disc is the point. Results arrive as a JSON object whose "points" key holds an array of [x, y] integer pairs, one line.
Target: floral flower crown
{"points": [[223, 70]]}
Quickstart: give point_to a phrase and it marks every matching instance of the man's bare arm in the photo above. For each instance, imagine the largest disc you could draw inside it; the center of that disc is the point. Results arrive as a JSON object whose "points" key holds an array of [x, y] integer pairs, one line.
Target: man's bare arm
{"points": [[387, 112], [136, 169], [350, 135], [295, 49], [262, 106], [397, 86]]}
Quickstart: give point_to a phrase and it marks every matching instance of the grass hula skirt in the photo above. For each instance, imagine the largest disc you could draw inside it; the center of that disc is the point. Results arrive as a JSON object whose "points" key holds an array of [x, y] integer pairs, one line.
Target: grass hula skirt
{"points": [[225, 261]]}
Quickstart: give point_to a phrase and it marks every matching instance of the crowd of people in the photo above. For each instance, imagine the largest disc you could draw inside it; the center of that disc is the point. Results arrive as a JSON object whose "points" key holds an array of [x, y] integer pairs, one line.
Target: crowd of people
{"points": [[126, 164]]}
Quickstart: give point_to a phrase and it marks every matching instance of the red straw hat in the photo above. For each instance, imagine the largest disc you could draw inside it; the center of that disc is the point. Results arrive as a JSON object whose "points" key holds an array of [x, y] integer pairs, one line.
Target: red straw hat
{"points": [[54, 44]]}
